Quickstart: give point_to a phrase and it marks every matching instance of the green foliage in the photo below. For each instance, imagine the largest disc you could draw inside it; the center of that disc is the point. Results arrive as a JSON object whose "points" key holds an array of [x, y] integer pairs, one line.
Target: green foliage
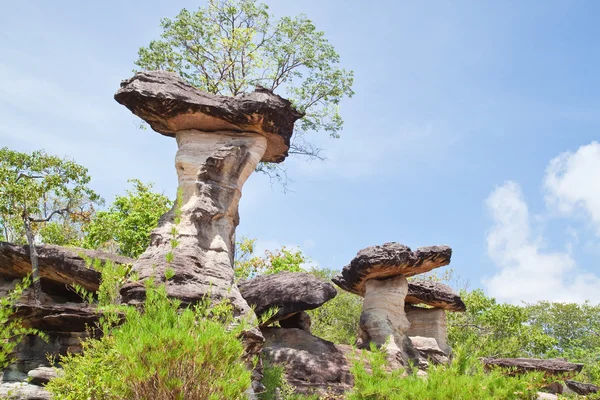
{"points": [[337, 320], [495, 329], [277, 387], [161, 353], [125, 227], [38, 188], [11, 328], [229, 47], [249, 266], [62, 233], [464, 379]]}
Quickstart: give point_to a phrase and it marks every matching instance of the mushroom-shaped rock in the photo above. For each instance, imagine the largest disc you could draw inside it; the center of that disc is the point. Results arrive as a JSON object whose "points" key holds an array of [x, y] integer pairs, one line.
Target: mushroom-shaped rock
{"points": [[289, 292], [388, 260], [220, 142], [434, 294], [428, 322], [378, 273]]}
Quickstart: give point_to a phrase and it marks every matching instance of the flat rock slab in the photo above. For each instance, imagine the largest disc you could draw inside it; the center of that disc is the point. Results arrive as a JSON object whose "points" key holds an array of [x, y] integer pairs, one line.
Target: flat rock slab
{"points": [[312, 365], [23, 391], [582, 388], [41, 375], [388, 260], [169, 104], [434, 294], [553, 366], [71, 317], [290, 292], [59, 266]]}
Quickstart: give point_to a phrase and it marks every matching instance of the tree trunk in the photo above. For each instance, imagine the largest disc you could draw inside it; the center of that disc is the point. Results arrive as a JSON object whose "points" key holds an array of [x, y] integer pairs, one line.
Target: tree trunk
{"points": [[35, 271]]}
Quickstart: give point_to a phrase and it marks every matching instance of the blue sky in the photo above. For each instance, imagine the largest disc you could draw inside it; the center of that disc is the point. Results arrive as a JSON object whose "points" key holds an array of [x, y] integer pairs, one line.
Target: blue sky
{"points": [[474, 124]]}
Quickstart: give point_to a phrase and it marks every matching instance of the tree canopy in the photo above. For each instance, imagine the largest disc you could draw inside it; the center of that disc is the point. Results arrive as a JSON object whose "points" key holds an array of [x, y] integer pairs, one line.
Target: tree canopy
{"points": [[229, 47]]}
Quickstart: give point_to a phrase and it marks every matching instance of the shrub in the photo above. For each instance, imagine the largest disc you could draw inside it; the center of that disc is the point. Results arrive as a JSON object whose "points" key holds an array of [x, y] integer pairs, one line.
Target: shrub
{"points": [[161, 353], [464, 379], [11, 328]]}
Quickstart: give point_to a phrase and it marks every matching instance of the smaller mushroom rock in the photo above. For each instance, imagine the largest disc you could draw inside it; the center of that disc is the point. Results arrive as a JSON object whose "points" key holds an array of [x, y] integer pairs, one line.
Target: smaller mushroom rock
{"points": [[289, 292], [388, 260], [434, 294], [428, 322], [555, 366], [429, 349], [378, 273]]}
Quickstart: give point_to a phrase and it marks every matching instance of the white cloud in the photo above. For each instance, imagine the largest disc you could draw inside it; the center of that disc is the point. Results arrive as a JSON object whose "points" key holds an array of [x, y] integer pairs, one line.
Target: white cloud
{"points": [[572, 183], [527, 271]]}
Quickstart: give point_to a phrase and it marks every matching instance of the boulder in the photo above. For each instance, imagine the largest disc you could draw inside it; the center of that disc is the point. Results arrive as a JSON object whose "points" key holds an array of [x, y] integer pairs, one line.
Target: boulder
{"points": [[583, 389], [388, 260], [428, 322], [59, 266], [23, 391], [41, 375], [555, 366], [434, 294], [289, 292], [428, 349], [69, 317], [311, 364]]}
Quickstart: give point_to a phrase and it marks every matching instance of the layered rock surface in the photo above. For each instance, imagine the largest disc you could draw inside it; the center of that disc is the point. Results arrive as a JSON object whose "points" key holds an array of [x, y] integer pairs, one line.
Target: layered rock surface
{"points": [[428, 322], [434, 294], [555, 366], [220, 142], [289, 292], [312, 365]]}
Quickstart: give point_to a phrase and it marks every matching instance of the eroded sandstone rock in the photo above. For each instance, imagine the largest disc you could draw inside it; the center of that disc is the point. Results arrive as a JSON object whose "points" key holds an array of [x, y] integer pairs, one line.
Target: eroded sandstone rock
{"points": [[59, 266], [583, 389], [434, 294], [378, 273], [220, 142], [311, 364], [289, 292], [428, 322], [555, 366], [300, 320]]}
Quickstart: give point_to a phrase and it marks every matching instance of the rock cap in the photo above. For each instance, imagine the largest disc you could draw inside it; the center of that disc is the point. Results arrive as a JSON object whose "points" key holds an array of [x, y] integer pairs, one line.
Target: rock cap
{"points": [[434, 294], [388, 260], [169, 104], [290, 292], [553, 366]]}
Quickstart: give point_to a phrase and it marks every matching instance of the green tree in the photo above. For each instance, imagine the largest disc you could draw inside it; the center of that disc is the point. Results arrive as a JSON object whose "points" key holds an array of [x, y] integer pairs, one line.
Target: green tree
{"points": [[126, 226], [247, 265], [495, 329], [38, 188], [229, 47]]}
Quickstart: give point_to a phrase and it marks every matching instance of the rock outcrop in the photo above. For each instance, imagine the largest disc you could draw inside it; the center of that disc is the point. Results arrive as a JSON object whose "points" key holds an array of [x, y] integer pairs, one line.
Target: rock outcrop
{"points": [[434, 294], [220, 142], [59, 266], [289, 292], [378, 273], [555, 366], [312, 365], [582, 389]]}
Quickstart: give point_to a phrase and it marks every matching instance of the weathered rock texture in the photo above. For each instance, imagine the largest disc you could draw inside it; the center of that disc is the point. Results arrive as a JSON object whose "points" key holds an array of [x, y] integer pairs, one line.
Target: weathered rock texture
{"points": [[378, 273], [434, 294], [428, 349], [312, 365], [428, 322], [220, 142], [23, 391], [289, 292], [583, 389], [300, 320], [387, 260], [554, 366], [59, 266]]}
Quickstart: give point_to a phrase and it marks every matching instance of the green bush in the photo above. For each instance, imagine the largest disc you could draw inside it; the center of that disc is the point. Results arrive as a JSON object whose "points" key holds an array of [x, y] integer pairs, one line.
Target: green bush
{"points": [[161, 353], [464, 379], [11, 328]]}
